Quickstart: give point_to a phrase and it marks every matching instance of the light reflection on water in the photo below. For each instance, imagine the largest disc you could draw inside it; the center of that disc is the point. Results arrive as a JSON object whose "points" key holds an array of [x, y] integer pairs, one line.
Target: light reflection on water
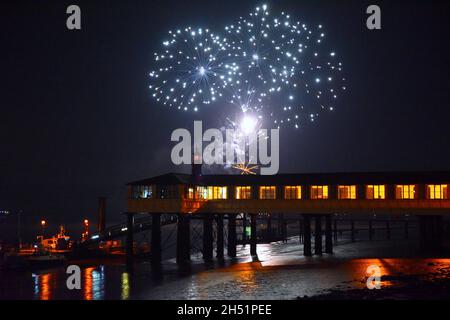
{"points": [[43, 286], [94, 283], [243, 280], [391, 268], [255, 281], [125, 286], [46, 285]]}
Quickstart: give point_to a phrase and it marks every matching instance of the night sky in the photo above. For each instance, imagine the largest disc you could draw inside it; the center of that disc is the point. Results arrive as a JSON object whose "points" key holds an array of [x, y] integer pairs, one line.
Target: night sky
{"points": [[77, 120]]}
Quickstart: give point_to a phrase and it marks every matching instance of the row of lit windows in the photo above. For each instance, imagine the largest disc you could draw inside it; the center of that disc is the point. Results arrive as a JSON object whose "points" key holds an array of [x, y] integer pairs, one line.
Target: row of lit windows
{"points": [[433, 191], [318, 192]]}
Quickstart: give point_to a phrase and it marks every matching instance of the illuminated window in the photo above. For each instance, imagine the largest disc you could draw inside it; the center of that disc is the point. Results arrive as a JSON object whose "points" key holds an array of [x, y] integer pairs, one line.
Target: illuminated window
{"points": [[142, 192], [202, 193], [347, 192], [405, 191], [211, 193], [243, 192], [437, 191], [267, 192], [376, 191], [191, 193], [293, 192], [319, 192]]}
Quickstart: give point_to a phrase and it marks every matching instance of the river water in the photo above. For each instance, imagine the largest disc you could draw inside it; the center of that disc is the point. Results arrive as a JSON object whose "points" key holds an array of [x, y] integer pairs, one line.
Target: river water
{"points": [[280, 272]]}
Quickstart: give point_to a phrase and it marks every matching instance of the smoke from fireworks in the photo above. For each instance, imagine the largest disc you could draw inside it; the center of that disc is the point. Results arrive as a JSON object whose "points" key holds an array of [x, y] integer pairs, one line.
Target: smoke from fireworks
{"points": [[272, 67]]}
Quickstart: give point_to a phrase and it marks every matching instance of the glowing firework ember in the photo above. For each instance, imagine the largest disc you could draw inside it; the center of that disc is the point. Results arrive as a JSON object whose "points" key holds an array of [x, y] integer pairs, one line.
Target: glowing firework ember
{"points": [[247, 131], [274, 67], [246, 169], [248, 125]]}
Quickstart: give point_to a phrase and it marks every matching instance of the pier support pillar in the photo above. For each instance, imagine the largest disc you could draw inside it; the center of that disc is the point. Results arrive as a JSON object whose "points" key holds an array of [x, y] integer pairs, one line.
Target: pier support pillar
{"points": [[183, 239], [283, 228], [156, 240], [253, 234], [300, 228], [207, 238], [335, 230], [352, 231], [388, 230], [431, 232], [307, 236], [219, 253], [232, 235], [130, 240], [244, 229], [318, 235], [406, 229], [328, 235], [269, 227]]}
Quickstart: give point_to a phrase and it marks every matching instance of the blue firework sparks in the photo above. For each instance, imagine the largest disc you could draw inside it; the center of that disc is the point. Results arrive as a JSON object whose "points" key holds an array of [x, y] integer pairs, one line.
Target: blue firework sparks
{"points": [[188, 69], [275, 67]]}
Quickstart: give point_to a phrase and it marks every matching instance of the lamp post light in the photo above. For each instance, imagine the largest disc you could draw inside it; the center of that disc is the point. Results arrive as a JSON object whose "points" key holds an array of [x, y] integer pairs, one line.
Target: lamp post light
{"points": [[43, 226], [85, 234]]}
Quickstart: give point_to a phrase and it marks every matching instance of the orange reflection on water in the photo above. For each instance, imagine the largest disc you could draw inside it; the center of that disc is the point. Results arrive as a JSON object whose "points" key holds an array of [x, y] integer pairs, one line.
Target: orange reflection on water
{"points": [[245, 274], [242, 275], [45, 286], [88, 283], [94, 283], [359, 269], [247, 279], [392, 269]]}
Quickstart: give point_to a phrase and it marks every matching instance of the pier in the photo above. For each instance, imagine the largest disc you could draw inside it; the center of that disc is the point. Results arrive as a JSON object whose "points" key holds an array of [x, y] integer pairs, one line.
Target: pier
{"points": [[313, 202]]}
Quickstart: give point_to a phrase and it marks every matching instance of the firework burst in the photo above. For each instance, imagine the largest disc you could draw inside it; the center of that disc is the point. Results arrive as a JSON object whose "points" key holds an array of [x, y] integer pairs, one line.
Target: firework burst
{"points": [[188, 69], [276, 68], [287, 73]]}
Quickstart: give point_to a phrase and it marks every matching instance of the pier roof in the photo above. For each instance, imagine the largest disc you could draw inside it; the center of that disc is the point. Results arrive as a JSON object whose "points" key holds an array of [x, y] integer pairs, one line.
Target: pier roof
{"points": [[401, 177]]}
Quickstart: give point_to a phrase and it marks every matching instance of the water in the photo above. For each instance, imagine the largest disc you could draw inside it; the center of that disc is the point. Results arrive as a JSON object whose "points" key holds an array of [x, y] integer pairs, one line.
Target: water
{"points": [[280, 272]]}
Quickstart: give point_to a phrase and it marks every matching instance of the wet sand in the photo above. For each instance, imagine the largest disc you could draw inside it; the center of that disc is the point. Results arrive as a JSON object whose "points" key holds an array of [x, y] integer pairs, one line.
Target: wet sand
{"points": [[282, 273], [279, 272]]}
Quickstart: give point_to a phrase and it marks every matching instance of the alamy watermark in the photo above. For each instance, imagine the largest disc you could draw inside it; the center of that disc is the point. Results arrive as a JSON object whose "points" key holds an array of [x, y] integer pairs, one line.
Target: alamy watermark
{"points": [[74, 279], [73, 21], [373, 22], [374, 280]]}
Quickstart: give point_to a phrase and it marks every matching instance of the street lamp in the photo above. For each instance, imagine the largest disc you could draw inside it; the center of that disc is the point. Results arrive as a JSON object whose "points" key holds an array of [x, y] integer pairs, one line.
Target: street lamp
{"points": [[85, 234], [43, 225]]}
